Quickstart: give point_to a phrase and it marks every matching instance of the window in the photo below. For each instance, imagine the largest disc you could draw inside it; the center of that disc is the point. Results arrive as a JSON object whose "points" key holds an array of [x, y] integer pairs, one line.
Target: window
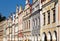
{"points": [[38, 21], [10, 30], [16, 29], [44, 18], [33, 27], [33, 22], [26, 25], [48, 17], [29, 24], [53, 15]]}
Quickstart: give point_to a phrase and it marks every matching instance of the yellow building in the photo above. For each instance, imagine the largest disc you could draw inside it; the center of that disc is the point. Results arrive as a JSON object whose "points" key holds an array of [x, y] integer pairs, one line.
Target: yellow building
{"points": [[48, 20]]}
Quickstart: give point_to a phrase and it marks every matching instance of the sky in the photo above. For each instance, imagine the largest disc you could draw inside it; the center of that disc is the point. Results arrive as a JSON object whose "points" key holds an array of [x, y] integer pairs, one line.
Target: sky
{"points": [[9, 6]]}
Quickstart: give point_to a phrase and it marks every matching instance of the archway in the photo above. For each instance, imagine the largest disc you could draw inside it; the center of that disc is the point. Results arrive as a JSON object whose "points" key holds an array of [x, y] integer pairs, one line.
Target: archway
{"points": [[54, 36], [49, 36], [44, 37]]}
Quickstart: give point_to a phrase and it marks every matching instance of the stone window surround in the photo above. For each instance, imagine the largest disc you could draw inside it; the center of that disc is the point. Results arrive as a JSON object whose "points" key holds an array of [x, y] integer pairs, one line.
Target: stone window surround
{"points": [[50, 14]]}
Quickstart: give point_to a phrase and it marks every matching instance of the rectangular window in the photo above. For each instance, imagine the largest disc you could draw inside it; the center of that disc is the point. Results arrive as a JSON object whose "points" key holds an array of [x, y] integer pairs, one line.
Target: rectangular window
{"points": [[29, 24], [25, 25], [38, 21], [48, 17], [53, 15], [10, 30], [44, 18], [33, 22]]}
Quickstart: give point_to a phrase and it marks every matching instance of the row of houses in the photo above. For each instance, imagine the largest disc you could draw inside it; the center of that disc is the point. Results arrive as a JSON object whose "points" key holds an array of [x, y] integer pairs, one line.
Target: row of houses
{"points": [[39, 21]]}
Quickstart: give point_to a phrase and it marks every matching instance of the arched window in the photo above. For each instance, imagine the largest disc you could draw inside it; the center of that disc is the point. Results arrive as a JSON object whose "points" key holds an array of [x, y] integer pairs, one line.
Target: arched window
{"points": [[44, 37], [55, 36], [49, 36]]}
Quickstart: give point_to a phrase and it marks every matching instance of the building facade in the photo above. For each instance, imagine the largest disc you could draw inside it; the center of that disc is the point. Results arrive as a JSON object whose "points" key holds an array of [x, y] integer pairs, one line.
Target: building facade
{"points": [[2, 26], [49, 20], [35, 17], [26, 22], [39, 21]]}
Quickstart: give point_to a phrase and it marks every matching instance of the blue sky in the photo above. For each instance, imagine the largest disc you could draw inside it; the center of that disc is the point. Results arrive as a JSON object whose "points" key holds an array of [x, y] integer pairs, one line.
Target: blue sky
{"points": [[9, 6]]}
